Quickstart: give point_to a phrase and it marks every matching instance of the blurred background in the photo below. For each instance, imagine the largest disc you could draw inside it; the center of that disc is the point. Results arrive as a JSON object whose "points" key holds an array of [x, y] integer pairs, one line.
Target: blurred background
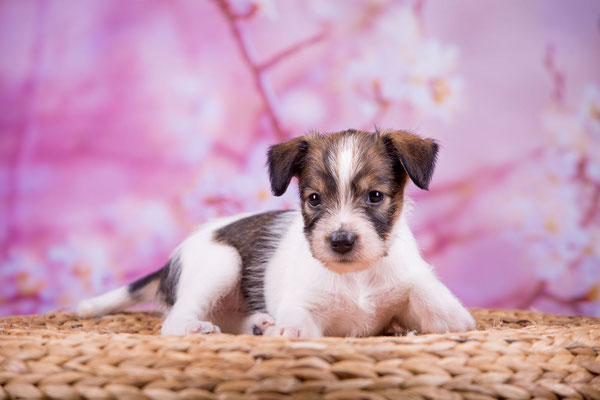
{"points": [[125, 124]]}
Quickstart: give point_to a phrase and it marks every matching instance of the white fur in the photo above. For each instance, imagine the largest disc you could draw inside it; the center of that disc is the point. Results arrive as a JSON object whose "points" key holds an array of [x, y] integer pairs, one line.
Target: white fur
{"points": [[345, 166], [303, 294], [368, 245]]}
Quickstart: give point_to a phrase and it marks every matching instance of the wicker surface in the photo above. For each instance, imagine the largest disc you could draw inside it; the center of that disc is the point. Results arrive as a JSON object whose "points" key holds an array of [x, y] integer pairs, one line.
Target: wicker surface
{"points": [[513, 354]]}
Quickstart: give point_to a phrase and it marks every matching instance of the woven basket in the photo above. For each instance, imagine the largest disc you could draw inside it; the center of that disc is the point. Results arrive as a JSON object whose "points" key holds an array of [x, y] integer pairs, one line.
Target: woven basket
{"points": [[513, 354]]}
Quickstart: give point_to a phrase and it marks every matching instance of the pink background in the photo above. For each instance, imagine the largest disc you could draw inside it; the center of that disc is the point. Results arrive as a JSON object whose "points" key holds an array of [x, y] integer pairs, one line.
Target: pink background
{"points": [[124, 124]]}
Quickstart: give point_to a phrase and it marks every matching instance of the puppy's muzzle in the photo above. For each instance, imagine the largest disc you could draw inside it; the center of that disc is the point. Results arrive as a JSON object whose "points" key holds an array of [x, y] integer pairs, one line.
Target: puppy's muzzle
{"points": [[341, 241]]}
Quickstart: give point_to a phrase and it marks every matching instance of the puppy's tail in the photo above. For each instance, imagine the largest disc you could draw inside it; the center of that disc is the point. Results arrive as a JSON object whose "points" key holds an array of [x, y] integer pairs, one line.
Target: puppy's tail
{"points": [[144, 290]]}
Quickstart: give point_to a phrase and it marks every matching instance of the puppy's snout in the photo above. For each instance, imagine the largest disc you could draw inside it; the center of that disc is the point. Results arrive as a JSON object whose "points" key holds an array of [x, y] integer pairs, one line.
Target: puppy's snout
{"points": [[342, 241]]}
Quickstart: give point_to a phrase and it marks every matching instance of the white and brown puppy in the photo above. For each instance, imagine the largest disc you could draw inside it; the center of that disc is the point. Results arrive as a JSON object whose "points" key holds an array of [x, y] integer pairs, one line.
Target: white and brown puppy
{"points": [[346, 264]]}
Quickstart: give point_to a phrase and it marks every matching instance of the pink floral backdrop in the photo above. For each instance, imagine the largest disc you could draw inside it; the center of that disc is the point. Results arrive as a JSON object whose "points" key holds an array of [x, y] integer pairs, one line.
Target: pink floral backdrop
{"points": [[124, 124]]}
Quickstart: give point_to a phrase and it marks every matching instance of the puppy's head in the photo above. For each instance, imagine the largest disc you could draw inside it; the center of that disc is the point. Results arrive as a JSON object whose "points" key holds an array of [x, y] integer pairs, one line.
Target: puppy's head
{"points": [[351, 189]]}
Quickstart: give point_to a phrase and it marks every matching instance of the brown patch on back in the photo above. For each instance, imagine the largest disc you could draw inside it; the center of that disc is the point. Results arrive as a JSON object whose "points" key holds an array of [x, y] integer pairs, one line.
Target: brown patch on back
{"points": [[255, 238]]}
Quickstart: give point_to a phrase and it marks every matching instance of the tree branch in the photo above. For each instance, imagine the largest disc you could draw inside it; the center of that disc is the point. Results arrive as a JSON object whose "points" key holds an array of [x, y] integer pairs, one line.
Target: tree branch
{"points": [[292, 50], [258, 70], [557, 76]]}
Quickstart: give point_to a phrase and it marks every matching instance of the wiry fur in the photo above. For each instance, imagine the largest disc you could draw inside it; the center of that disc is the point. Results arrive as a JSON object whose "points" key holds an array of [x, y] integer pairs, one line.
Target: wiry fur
{"points": [[255, 238], [281, 273]]}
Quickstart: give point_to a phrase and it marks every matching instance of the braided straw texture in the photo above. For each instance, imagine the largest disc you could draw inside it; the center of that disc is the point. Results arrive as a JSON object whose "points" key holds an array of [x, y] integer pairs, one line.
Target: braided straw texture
{"points": [[513, 354]]}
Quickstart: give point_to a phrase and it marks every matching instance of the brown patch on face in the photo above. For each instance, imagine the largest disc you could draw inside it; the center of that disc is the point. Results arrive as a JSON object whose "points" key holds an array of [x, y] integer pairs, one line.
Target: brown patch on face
{"points": [[378, 173], [317, 176]]}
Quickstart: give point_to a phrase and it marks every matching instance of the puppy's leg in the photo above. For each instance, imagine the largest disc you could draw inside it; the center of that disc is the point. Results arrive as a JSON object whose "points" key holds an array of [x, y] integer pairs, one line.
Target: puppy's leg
{"points": [[245, 323], [209, 271], [432, 308], [257, 323], [294, 322]]}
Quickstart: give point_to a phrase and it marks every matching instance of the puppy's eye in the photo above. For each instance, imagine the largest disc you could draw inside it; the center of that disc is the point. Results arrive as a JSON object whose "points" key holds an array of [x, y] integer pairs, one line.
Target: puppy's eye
{"points": [[314, 200], [374, 197]]}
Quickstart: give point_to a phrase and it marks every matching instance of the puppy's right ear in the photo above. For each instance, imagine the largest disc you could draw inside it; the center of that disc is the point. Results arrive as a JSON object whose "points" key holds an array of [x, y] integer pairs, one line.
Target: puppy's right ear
{"points": [[285, 161]]}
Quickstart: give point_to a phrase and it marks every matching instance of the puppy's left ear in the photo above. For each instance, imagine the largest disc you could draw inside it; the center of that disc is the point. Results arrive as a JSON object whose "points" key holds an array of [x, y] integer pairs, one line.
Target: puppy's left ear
{"points": [[285, 161], [416, 155]]}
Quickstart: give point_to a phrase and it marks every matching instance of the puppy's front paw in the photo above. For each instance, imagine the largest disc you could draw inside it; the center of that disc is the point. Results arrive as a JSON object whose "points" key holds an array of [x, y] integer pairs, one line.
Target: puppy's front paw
{"points": [[182, 328], [285, 331], [260, 322], [204, 327], [455, 318]]}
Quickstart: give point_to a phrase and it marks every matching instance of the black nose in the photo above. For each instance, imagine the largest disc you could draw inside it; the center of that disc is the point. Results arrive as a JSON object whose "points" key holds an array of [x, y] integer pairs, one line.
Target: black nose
{"points": [[341, 242]]}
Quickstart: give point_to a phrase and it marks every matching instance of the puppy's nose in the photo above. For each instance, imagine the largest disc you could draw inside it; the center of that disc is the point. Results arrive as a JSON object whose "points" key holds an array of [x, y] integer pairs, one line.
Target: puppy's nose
{"points": [[341, 241]]}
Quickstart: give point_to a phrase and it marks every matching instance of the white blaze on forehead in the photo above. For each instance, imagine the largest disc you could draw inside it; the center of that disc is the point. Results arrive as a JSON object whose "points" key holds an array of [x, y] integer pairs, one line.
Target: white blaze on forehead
{"points": [[345, 166]]}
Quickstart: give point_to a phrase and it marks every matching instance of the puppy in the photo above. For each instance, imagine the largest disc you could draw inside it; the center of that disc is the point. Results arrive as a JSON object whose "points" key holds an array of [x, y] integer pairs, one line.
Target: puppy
{"points": [[345, 264]]}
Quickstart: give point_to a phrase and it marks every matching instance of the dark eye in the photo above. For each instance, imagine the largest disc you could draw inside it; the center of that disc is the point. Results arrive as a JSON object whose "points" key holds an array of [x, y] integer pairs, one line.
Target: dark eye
{"points": [[374, 197], [314, 200]]}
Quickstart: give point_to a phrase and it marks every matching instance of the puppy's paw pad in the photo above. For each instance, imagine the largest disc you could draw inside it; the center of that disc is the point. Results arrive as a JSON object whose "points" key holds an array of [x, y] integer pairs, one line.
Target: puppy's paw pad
{"points": [[204, 327], [261, 322], [284, 331], [174, 327]]}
